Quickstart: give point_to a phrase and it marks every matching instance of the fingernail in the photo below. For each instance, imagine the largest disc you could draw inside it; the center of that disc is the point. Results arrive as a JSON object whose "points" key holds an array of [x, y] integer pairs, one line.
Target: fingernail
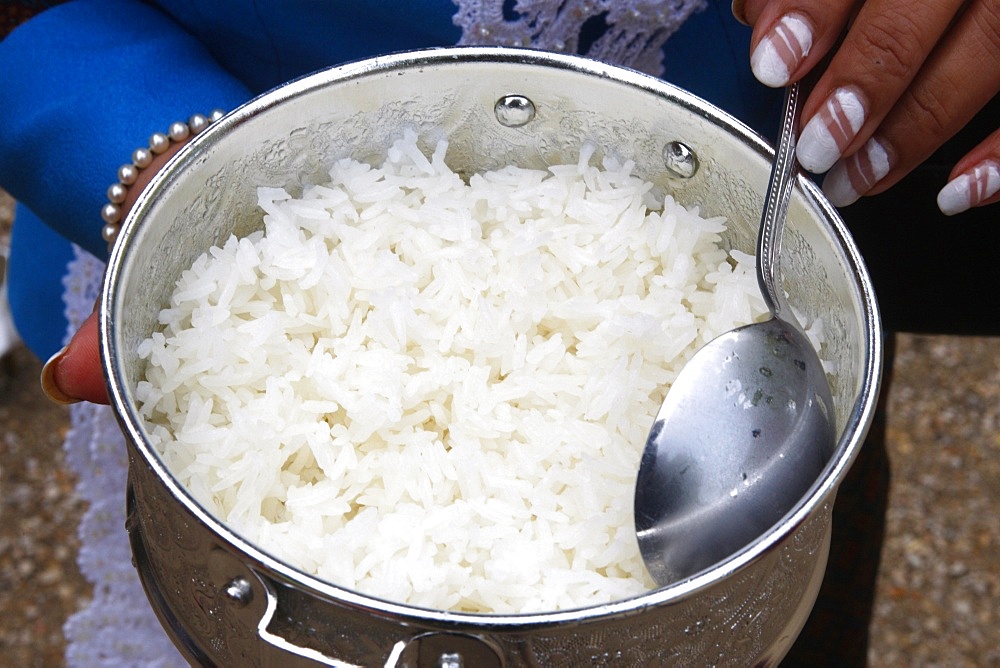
{"points": [[970, 188], [852, 177], [828, 133], [781, 51], [739, 11], [48, 379]]}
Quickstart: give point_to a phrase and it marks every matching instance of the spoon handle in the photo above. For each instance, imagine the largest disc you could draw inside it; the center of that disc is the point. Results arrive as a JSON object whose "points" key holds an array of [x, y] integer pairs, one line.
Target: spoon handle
{"points": [[779, 189]]}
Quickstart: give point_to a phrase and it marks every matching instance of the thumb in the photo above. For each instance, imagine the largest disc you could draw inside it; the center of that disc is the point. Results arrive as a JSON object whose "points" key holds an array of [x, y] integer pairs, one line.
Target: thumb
{"points": [[74, 373]]}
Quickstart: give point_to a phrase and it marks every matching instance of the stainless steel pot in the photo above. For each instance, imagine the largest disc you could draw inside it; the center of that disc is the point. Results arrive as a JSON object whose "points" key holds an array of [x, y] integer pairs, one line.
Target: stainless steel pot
{"points": [[226, 601]]}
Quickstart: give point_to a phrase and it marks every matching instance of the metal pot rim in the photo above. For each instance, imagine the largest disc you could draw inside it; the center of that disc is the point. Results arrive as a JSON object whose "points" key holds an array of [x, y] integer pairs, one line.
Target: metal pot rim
{"points": [[821, 492]]}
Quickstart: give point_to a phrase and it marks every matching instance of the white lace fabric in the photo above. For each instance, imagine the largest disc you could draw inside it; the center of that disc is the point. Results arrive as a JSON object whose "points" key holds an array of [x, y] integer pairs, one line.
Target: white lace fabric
{"points": [[117, 627], [8, 333], [630, 33]]}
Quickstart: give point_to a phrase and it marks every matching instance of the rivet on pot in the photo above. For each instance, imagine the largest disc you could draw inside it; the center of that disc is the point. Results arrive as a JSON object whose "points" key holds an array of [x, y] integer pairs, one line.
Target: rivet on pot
{"points": [[239, 591], [513, 111], [450, 660], [680, 160]]}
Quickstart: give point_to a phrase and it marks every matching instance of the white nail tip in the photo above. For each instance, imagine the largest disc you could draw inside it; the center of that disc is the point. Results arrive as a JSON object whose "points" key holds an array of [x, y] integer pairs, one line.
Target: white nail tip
{"points": [[969, 189], [838, 188], [768, 67], [851, 178], [828, 133], [781, 51]]}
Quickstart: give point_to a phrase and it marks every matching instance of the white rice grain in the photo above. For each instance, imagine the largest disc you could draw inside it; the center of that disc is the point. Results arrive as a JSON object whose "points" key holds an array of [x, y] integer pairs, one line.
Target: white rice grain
{"points": [[436, 391]]}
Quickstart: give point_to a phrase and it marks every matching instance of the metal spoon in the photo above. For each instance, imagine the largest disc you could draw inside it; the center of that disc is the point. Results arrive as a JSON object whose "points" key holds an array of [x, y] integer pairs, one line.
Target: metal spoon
{"points": [[747, 426]]}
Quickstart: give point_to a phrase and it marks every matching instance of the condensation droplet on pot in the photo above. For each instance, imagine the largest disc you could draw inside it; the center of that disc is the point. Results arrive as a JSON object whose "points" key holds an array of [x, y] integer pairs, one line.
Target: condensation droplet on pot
{"points": [[239, 591], [680, 160], [513, 111]]}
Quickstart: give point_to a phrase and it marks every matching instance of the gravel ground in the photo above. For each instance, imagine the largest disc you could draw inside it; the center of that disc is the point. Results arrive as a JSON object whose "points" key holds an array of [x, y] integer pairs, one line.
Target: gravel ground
{"points": [[40, 585], [940, 578]]}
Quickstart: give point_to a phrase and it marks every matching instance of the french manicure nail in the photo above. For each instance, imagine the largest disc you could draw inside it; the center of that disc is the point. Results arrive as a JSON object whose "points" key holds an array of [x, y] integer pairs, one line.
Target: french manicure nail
{"points": [[828, 133], [853, 176], [48, 381], [970, 188], [781, 51]]}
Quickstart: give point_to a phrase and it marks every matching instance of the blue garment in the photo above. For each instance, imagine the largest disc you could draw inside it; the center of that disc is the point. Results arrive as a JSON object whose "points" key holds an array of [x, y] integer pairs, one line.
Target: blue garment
{"points": [[85, 83], [35, 290]]}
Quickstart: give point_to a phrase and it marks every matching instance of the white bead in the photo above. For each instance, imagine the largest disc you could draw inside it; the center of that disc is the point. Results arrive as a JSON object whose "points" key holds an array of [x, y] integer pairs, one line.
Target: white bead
{"points": [[111, 213], [110, 232], [158, 142], [178, 131], [127, 174], [117, 193], [197, 123], [141, 157]]}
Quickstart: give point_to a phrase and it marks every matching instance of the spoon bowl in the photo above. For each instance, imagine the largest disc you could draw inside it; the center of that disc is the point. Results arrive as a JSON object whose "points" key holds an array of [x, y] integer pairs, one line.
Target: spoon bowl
{"points": [[745, 430], [747, 426]]}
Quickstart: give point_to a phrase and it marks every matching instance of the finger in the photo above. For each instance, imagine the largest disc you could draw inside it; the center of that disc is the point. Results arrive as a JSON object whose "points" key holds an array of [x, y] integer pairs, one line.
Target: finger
{"points": [[957, 80], [74, 373], [740, 12], [875, 64], [790, 38], [975, 180]]}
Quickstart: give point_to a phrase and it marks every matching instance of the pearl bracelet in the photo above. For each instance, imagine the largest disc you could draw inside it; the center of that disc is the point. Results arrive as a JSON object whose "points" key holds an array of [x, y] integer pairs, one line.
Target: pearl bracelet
{"points": [[159, 142]]}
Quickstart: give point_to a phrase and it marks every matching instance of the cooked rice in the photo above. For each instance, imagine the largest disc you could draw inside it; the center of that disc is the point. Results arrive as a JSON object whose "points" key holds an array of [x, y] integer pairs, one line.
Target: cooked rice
{"points": [[436, 391]]}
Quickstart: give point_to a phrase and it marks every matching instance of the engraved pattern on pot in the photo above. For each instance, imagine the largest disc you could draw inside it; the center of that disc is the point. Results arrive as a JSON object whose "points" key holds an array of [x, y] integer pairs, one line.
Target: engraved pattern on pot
{"points": [[191, 575]]}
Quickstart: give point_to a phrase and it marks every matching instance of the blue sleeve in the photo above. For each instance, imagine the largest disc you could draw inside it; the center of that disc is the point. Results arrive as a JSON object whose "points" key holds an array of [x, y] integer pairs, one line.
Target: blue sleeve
{"points": [[35, 288], [268, 43], [84, 84]]}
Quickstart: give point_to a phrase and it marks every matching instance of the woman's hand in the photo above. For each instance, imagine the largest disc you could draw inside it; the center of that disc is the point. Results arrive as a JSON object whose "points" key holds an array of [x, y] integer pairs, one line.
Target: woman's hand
{"points": [[903, 76]]}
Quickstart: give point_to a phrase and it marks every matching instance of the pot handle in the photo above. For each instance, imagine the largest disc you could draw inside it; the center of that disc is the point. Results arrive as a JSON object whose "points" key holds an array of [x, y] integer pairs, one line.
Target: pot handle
{"points": [[251, 601], [426, 650]]}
